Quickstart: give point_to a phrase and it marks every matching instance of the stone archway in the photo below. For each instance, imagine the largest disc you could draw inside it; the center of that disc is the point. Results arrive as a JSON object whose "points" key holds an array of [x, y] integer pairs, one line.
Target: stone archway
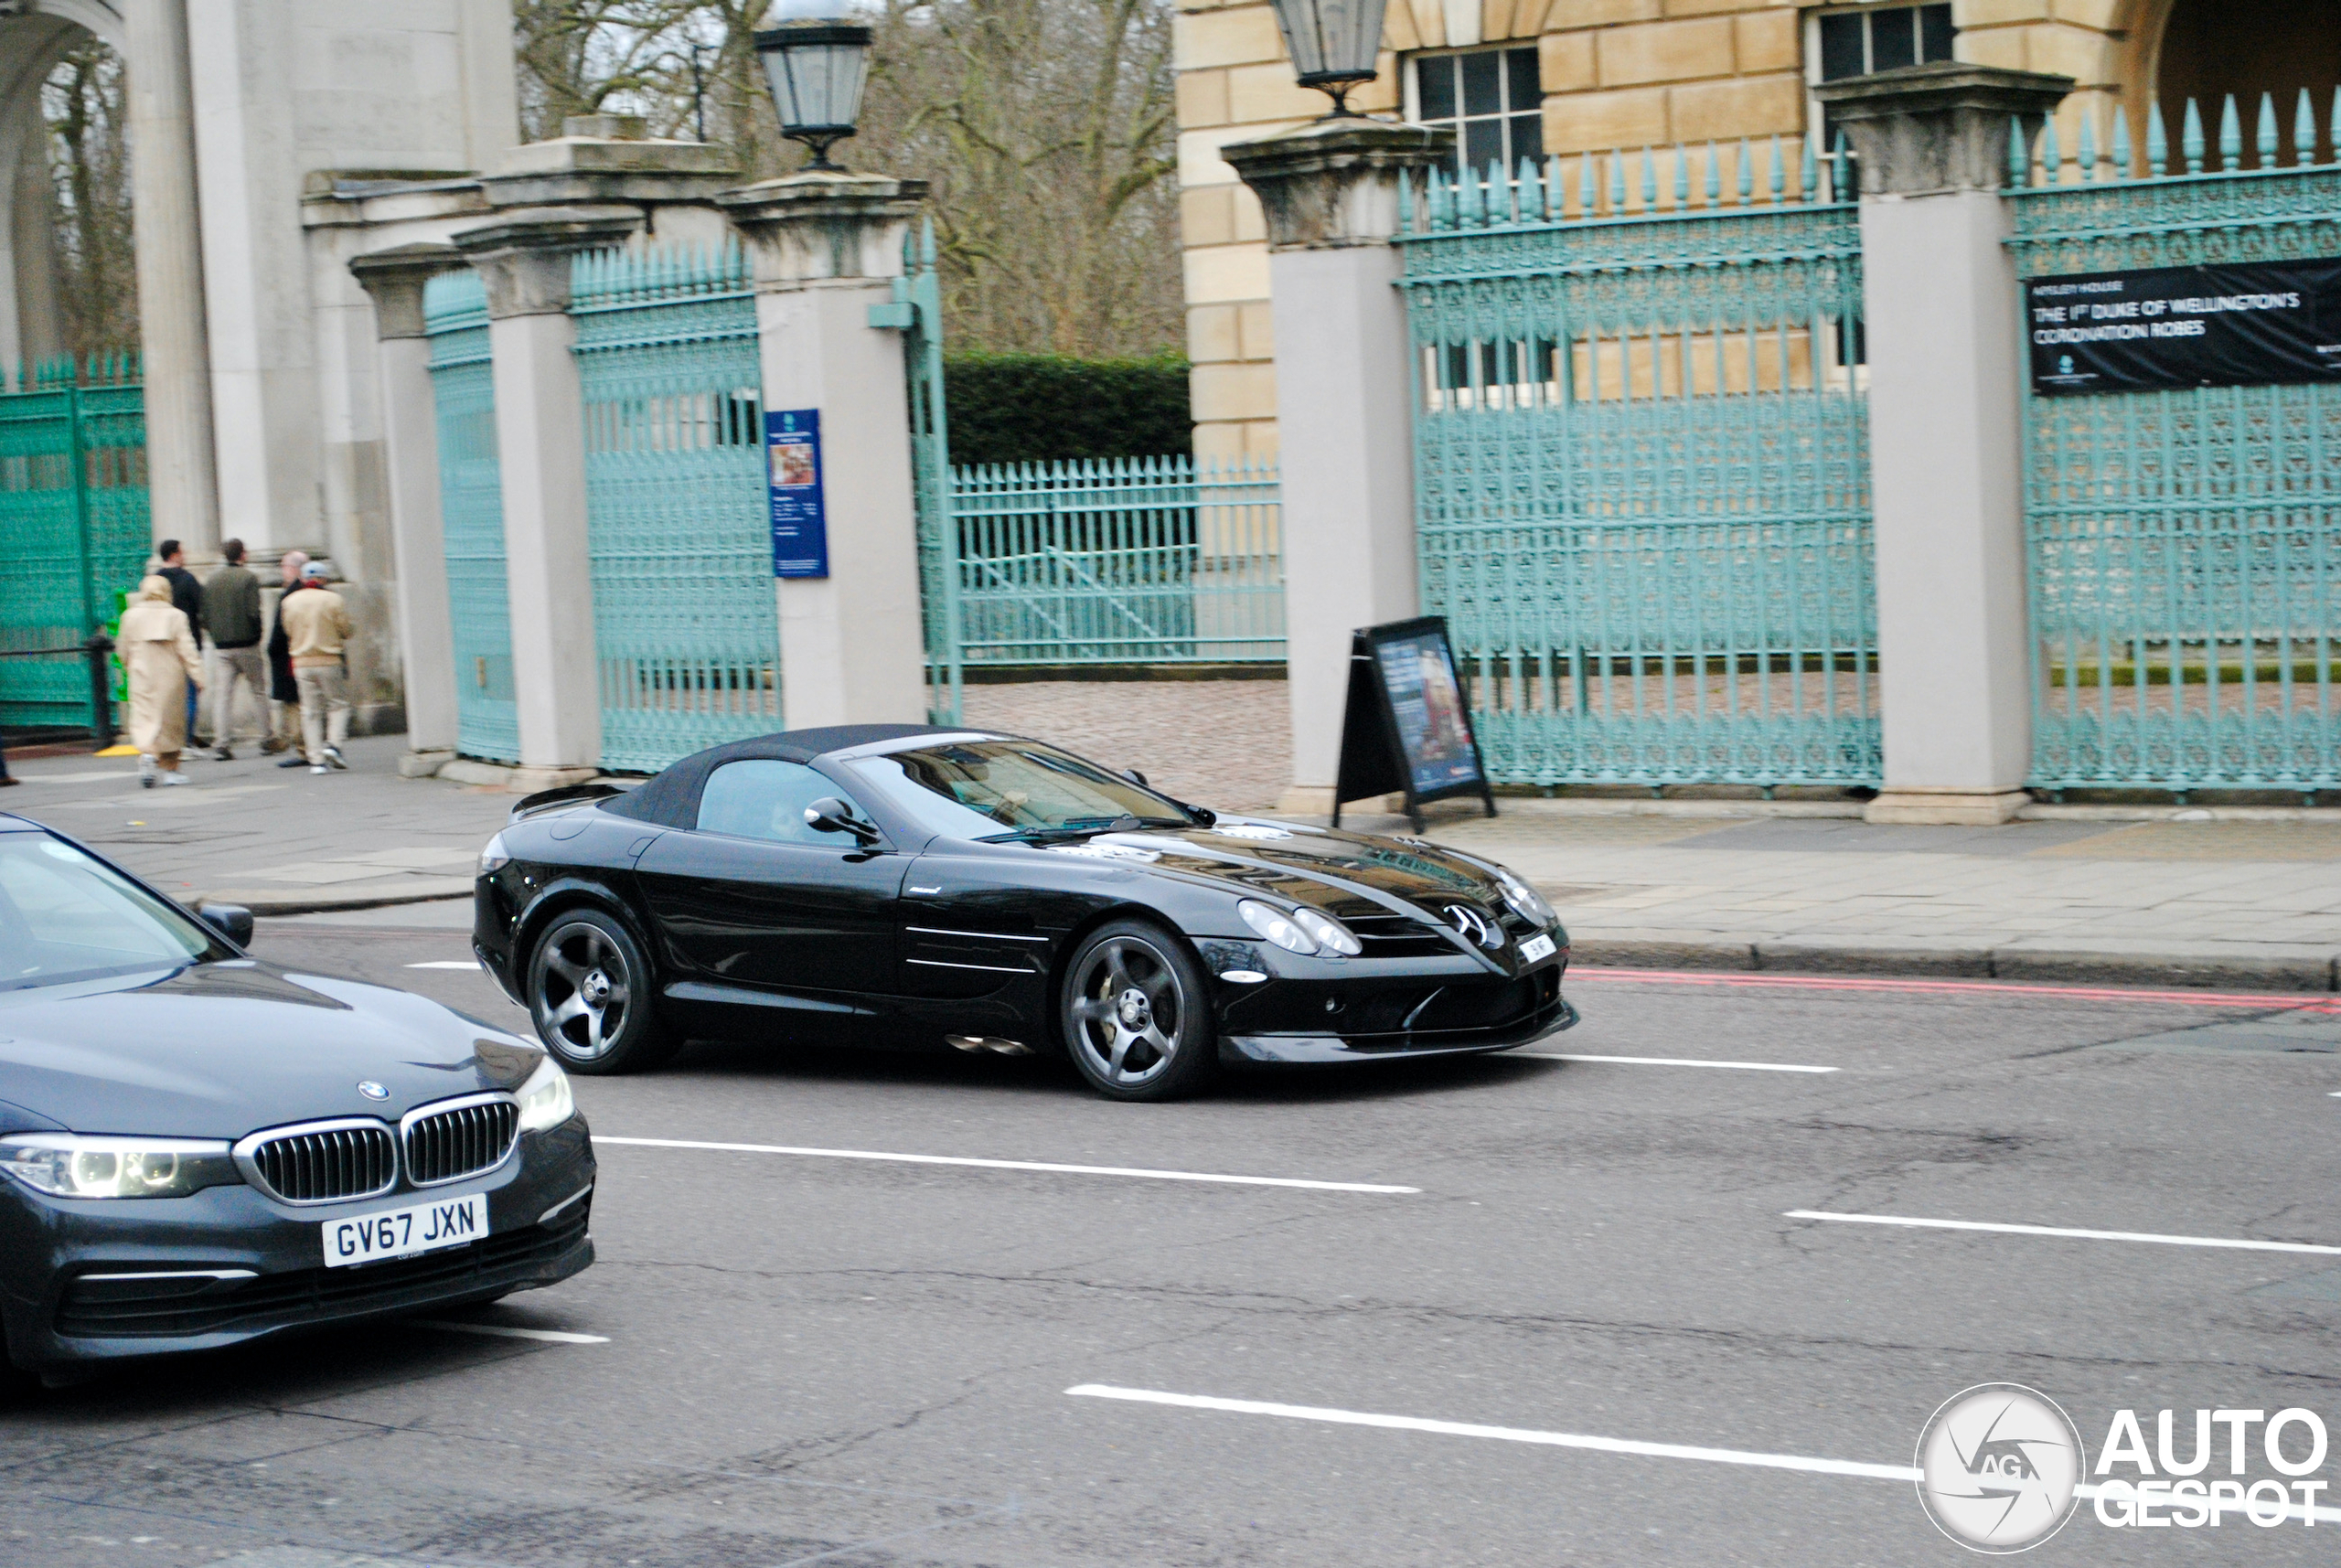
{"points": [[31, 43], [2205, 49]]}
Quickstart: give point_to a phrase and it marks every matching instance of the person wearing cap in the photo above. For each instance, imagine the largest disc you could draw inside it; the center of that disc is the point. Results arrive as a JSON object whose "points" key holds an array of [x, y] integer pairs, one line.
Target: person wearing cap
{"points": [[316, 630]]}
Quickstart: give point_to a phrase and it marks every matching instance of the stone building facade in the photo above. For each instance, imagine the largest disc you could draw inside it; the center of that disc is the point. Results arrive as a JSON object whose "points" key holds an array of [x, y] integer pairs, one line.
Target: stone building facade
{"points": [[1630, 73]]}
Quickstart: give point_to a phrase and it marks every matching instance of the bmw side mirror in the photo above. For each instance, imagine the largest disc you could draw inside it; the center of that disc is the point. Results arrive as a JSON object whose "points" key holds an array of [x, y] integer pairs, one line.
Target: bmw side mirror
{"points": [[233, 921], [830, 815]]}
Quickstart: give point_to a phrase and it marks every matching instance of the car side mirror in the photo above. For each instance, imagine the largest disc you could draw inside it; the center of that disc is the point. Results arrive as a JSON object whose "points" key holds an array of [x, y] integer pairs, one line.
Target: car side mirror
{"points": [[830, 815], [233, 921], [1137, 778]]}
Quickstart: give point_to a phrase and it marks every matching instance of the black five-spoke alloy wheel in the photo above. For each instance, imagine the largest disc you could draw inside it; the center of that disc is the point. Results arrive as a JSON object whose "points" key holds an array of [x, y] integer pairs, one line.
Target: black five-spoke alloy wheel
{"points": [[589, 991], [1136, 1016]]}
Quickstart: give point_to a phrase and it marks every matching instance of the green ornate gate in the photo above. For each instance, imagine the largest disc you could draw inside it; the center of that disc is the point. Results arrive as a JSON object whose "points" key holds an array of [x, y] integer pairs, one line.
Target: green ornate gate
{"points": [[1643, 465], [2185, 545], [686, 623], [73, 528], [463, 383]]}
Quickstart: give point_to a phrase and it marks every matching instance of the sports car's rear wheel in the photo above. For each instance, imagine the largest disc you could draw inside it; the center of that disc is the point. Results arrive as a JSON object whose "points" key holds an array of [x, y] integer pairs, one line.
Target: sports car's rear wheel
{"points": [[1135, 1013], [589, 991]]}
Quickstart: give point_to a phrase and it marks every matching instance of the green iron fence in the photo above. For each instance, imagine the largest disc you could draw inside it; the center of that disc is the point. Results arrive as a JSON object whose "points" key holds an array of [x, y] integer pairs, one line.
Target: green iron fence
{"points": [[686, 623], [2185, 545], [73, 526], [1643, 465], [1135, 560], [455, 307]]}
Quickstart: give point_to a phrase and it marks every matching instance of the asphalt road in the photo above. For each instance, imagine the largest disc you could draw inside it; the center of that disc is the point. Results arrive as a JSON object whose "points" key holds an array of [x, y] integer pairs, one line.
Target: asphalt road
{"points": [[797, 1357]]}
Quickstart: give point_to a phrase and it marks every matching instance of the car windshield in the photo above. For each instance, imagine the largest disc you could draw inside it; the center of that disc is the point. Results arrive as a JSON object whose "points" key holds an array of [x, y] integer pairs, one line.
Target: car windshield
{"points": [[66, 916], [1012, 789]]}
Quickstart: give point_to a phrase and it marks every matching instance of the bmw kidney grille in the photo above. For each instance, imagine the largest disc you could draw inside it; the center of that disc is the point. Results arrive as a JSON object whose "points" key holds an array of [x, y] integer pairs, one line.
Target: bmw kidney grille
{"points": [[456, 1141], [324, 1163]]}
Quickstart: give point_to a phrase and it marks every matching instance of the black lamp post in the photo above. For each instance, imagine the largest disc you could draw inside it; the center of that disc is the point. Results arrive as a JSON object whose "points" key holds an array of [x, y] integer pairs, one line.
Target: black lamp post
{"points": [[816, 58], [1332, 44]]}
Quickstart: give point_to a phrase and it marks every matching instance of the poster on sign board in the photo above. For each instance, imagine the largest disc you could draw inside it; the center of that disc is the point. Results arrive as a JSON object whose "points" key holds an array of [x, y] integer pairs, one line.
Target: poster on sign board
{"points": [[800, 530], [1407, 728]]}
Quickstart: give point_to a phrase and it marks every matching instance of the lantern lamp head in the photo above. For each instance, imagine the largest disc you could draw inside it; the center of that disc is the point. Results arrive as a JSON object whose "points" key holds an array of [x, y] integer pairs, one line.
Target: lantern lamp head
{"points": [[1332, 44], [816, 58]]}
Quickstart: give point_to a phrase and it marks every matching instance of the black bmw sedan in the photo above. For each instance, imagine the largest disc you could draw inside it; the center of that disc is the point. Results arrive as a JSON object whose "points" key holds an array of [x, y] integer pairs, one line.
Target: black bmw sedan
{"points": [[196, 1147], [916, 888]]}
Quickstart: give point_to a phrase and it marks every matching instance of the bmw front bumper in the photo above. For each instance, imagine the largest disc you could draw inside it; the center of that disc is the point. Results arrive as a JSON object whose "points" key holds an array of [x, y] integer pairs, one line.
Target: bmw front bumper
{"points": [[229, 1263]]}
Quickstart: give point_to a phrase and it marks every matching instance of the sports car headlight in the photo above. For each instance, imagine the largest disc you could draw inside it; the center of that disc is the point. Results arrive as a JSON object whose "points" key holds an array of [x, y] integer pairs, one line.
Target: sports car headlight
{"points": [[494, 858], [1525, 901], [1330, 933], [545, 1099], [64, 1165], [1277, 926]]}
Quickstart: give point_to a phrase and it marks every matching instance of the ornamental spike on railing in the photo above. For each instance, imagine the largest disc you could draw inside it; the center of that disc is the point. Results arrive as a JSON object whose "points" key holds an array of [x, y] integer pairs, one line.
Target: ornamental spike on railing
{"points": [[1617, 185], [1588, 189], [1406, 202], [2190, 141], [1747, 181], [2121, 167], [2305, 131], [926, 242], [2157, 142], [2088, 154], [1682, 177], [2052, 155], [1650, 182], [1780, 174], [2230, 138], [2264, 144], [1715, 174], [1841, 160], [1555, 194], [1523, 184], [1808, 175]]}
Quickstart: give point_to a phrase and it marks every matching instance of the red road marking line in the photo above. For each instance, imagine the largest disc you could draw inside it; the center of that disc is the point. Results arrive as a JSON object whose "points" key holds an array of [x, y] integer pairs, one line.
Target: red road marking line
{"points": [[1960, 987]]}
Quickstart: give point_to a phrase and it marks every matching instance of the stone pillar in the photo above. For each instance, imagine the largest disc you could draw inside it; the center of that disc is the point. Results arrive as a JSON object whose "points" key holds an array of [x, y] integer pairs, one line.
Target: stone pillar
{"points": [[1946, 385], [1330, 191], [393, 278], [181, 465], [826, 247], [523, 257]]}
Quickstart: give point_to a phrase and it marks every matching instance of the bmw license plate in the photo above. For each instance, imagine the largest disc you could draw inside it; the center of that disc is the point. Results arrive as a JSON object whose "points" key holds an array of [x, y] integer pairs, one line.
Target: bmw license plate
{"points": [[1535, 948], [397, 1232]]}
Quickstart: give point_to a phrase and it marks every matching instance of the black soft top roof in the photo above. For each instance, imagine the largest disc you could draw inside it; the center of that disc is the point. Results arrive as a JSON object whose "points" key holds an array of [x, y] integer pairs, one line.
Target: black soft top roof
{"points": [[672, 799]]}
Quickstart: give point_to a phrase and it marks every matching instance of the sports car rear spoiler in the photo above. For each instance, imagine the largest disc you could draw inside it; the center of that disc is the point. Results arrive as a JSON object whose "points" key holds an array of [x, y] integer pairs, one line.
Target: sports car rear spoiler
{"points": [[568, 794]]}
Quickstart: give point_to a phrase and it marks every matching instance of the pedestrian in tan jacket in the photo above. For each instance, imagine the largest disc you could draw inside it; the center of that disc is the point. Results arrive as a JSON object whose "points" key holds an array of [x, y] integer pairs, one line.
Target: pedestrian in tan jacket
{"points": [[158, 644], [316, 628]]}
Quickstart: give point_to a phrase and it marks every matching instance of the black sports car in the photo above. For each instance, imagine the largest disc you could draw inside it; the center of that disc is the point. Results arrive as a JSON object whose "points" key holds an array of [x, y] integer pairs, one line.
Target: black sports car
{"points": [[906, 886], [196, 1147]]}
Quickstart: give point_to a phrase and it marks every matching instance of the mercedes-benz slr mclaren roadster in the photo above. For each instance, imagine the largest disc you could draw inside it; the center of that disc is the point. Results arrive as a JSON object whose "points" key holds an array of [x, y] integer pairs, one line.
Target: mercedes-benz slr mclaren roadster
{"points": [[919, 888]]}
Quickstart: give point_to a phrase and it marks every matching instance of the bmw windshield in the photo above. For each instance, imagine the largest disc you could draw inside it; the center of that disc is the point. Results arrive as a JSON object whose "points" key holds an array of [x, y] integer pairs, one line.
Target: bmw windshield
{"points": [[67, 916], [1004, 790]]}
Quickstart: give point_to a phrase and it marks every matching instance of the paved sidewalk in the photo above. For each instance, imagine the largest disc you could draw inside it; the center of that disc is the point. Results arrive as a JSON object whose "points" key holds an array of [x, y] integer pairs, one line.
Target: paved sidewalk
{"points": [[2247, 905]]}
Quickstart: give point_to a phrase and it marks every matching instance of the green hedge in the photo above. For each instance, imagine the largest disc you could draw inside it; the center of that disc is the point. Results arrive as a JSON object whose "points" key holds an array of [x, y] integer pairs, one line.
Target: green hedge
{"points": [[1041, 408]]}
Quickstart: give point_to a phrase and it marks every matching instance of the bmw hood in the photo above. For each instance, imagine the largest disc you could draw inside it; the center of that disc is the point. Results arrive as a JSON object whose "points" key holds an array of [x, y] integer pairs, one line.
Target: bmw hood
{"points": [[216, 1051], [1339, 873]]}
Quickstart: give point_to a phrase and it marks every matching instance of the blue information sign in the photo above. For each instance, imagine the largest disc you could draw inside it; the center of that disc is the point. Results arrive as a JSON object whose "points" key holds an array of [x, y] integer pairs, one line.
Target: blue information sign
{"points": [[800, 530]]}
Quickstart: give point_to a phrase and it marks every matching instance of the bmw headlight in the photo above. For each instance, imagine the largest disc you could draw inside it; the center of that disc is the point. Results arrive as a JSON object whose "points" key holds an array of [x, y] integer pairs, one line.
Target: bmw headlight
{"points": [[65, 1165], [545, 1099], [1525, 901], [494, 858], [1275, 926], [1330, 933]]}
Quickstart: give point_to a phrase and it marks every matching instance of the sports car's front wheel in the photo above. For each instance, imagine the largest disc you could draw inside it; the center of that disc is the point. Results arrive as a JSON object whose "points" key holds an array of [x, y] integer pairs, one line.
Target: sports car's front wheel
{"points": [[589, 992], [1135, 1014]]}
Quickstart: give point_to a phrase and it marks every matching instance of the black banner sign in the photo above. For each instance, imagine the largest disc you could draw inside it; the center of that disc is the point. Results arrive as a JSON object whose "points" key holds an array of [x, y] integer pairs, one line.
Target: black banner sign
{"points": [[2255, 324], [1407, 727]]}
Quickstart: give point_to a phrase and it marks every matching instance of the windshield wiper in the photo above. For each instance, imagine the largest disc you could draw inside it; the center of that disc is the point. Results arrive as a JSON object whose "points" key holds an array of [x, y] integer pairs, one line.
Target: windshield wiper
{"points": [[1081, 827]]}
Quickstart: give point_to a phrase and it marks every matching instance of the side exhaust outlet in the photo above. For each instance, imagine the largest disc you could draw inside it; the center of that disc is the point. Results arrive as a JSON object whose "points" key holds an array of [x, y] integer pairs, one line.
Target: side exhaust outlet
{"points": [[987, 1043]]}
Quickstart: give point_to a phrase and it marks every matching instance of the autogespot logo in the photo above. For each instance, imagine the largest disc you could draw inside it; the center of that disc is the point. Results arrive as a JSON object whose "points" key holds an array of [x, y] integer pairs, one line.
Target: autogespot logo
{"points": [[1998, 1465]]}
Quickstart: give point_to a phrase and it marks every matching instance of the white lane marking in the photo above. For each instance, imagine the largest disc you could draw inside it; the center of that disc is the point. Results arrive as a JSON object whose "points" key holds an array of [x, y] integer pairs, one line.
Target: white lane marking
{"points": [[550, 1336], [447, 963], [1904, 1473], [1670, 1062], [2237, 1243], [1011, 1165], [1502, 1433]]}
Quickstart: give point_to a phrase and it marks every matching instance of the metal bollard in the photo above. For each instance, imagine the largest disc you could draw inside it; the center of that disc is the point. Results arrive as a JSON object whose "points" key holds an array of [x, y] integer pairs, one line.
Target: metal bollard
{"points": [[100, 690]]}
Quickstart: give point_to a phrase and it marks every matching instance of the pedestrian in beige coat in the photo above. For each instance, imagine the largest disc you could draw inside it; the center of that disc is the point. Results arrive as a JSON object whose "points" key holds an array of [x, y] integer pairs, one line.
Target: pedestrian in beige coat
{"points": [[158, 644]]}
